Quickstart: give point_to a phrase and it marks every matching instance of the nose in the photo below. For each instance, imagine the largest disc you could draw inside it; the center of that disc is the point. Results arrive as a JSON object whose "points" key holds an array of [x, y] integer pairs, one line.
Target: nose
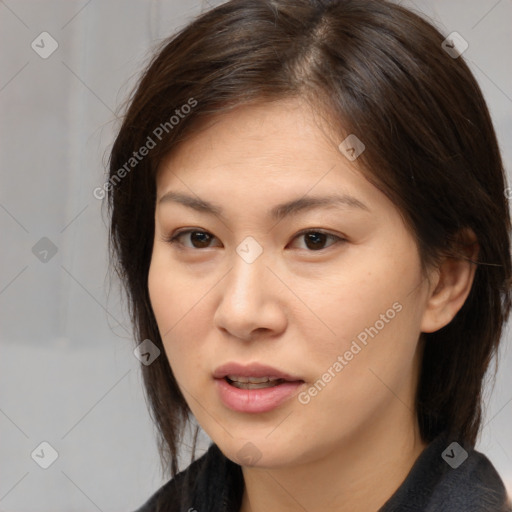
{"points": [[251, 304]]}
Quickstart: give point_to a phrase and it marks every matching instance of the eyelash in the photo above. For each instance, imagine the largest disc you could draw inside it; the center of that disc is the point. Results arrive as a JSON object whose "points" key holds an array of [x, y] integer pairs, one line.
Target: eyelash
{"points": [[173, 239]]}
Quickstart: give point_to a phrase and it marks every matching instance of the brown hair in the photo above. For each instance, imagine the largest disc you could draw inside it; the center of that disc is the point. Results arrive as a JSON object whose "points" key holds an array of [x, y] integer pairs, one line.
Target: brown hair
{"points": [[373, 69]]}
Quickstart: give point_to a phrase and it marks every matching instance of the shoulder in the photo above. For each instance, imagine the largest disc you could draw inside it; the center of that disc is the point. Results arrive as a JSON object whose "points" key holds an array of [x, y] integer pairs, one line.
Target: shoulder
{"points": [[476, 487], [449, 477], [210, 477]]}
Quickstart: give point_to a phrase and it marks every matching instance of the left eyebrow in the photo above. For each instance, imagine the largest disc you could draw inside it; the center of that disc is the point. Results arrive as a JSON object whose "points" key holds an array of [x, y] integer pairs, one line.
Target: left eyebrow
{"points": [[312, 202], [277, 212]]}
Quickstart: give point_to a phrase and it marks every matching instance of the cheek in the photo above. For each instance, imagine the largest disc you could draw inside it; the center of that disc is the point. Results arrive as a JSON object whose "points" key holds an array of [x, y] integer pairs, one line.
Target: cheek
{"points": [[375, 316], [356, 380], [172, 296], [365, 296], [163, 299], [175, 305]]}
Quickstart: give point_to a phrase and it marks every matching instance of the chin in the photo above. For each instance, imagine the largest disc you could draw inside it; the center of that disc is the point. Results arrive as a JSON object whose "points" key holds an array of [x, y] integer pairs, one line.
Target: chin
{"points": [[259, 452]]}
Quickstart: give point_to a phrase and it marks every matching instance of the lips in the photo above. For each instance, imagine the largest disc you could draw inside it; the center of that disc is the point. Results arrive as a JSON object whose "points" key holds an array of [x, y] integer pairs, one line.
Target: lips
{"points": [[254, 388], [255, 370]]}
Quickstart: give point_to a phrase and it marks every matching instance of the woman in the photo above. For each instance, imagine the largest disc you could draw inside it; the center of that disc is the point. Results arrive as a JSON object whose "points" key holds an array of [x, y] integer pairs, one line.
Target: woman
{"points": [[308, 213]]}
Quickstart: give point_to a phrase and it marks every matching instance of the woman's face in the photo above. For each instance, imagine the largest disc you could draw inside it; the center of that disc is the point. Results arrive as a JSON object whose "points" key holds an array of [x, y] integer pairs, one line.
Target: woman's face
{"points": [[327, 290]]}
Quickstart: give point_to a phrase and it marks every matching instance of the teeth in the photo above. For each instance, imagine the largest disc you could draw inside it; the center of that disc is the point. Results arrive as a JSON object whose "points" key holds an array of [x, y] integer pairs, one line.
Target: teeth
{"points": [[261, 385], [252, 380]]}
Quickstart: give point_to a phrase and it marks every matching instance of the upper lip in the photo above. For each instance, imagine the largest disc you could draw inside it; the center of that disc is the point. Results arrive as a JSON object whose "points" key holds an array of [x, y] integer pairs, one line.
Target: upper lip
{"points": [[252, 370]]}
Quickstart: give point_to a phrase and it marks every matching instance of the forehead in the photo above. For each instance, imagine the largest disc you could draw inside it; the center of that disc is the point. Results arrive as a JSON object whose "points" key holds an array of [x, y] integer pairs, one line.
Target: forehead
{"points": [[281, 137], [266, 153]]}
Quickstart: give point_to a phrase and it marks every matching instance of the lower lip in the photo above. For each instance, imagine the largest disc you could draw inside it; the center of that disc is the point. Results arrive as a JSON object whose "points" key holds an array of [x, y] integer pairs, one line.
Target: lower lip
{"points": [[255, 400]]}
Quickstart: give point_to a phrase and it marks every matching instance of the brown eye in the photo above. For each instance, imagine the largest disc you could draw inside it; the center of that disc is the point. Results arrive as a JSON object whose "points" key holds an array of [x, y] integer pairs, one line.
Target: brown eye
{"points": [[316, 240], [197, 238]]}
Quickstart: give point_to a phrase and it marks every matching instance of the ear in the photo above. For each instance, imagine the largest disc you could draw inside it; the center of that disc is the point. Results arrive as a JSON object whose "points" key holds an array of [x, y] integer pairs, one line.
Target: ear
{"points": [[451, 283]]}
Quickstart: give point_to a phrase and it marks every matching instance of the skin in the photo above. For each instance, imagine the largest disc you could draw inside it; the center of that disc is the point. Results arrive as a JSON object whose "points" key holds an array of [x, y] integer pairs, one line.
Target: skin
{"points": [[297, 307]]}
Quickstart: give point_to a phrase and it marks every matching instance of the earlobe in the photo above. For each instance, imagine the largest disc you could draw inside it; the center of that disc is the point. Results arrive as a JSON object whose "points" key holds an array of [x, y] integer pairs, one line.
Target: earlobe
{"points": [[450, 289]]}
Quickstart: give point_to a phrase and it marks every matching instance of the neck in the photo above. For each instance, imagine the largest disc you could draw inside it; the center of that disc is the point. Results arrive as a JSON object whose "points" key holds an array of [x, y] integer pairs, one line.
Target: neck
{"points": [[360, 474]]}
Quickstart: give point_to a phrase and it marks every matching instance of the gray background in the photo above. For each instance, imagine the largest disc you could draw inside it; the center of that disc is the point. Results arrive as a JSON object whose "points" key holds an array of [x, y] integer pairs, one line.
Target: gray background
{"points": [[68, 373]]}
